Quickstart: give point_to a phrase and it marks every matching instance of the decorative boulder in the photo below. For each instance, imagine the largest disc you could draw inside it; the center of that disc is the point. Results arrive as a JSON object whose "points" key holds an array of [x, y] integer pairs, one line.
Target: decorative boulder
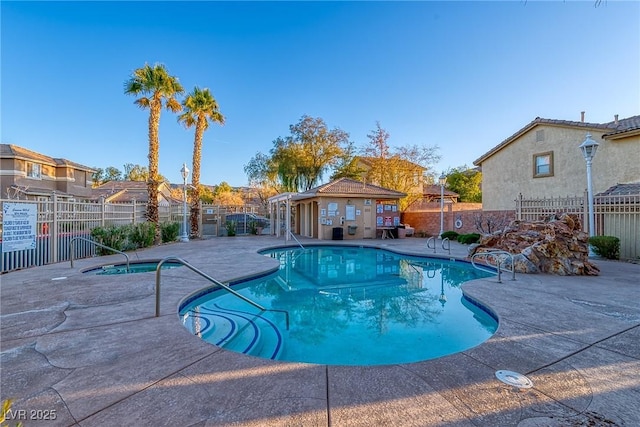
{"points": [[556, 245]]}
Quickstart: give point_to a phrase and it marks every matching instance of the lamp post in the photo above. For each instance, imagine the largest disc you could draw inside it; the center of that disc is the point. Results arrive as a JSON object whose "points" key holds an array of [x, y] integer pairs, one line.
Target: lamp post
{"points": [[185, 172], [588, 148], [442, 181]]}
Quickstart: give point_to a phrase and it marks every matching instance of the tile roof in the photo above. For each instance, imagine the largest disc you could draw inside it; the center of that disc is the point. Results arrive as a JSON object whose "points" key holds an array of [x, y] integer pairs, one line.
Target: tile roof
{"points": [[15, 151], [632, 188], [114, 186], [434, 190], [621, 127], [349, 187]]}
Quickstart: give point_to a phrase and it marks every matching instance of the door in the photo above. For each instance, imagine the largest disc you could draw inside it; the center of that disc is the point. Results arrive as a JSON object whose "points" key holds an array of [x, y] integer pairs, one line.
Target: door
{"points": [[367, 218]]}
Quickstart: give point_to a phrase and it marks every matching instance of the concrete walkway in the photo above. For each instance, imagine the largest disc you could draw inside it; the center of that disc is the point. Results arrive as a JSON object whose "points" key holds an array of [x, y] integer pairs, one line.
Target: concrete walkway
{"points": [[87, 350]]}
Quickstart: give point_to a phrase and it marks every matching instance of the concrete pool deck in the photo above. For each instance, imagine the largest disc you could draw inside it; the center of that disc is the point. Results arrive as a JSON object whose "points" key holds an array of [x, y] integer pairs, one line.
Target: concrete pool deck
{"points": [[88, 350]]}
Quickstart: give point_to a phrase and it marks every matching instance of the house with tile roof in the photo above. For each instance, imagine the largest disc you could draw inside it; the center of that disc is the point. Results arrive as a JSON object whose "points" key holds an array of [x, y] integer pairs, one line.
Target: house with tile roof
{"points": [[28, 175], [407, 176], [341, 209], [543, 159], [129, 191]]}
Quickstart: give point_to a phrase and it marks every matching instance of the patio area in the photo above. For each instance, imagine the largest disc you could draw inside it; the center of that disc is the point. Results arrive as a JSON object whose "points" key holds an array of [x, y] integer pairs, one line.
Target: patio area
{"points": [[87, 350]]}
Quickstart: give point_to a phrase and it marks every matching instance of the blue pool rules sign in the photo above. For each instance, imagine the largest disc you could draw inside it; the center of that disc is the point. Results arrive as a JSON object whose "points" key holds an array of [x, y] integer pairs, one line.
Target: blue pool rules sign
{"points": [[19, 226]]}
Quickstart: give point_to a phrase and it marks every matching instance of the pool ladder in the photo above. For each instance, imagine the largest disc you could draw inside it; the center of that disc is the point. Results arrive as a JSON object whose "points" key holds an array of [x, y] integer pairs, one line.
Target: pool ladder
{"points": [[497, 258], [212, 280], [433, 239], [95, 244], [294, 238]]}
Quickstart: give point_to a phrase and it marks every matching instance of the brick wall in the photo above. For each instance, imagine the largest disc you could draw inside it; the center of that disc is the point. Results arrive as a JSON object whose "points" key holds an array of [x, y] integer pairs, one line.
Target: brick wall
{"points": [[459, 217]]}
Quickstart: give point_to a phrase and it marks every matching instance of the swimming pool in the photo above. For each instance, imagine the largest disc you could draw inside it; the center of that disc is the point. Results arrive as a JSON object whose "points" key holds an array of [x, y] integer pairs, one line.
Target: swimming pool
{"points": [[346, 305]]}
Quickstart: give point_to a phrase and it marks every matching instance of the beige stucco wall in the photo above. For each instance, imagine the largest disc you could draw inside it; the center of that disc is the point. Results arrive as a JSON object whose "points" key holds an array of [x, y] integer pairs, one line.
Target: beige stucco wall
{"points": [[325, 231], [509, 172], [65, 179], [311, 222]]}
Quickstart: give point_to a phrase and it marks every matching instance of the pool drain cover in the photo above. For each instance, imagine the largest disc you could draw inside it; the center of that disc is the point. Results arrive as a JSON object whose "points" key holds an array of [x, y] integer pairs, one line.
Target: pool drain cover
{"points": [[514, 379]]}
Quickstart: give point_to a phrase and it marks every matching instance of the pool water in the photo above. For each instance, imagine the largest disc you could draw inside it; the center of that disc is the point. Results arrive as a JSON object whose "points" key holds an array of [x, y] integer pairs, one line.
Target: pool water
{"points": [[346, 306], [134, 267]]}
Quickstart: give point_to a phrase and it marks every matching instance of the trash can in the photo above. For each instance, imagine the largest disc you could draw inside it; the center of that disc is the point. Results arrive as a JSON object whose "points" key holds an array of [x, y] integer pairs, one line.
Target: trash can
{"points": [[338, 233], [351, 229]]}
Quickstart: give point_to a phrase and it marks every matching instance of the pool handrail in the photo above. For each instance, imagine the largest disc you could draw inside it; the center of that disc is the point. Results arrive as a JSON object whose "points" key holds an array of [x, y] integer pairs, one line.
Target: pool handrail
{"points": [[429, 240], [95, 244], [434, 240], [212, 280], [294, 238], [490, 254], [448, 248]]}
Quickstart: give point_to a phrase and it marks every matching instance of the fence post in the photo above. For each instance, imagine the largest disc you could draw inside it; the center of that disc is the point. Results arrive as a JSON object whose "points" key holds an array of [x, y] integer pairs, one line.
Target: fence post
{"points": [[102, 213], [519, 207], [585, 212], [200, 216], [54, 234], [133, 213]]}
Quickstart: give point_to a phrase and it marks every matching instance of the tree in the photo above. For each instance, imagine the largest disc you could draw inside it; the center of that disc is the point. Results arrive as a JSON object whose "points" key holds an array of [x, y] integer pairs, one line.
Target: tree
{"points": [[466, 182], [112, 174], [157, 89], [262, 177], [299, 161], [200, 108], [262, 173], [317, 149], [399, 168], [136, 172], [346, 166], [97, 177], [224, 195]]}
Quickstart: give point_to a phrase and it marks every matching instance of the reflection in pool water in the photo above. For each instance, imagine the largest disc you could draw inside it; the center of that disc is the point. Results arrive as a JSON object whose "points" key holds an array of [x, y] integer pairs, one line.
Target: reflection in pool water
{"points": [[347, 306]]}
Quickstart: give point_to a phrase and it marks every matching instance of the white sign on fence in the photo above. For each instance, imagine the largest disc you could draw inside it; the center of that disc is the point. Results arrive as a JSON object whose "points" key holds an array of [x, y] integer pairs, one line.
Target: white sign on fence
{"points": [[19, 226]]}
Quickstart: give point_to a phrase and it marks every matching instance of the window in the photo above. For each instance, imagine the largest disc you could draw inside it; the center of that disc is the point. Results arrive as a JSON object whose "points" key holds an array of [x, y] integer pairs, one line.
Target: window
{"points": [[543, 164], [33, 170]]}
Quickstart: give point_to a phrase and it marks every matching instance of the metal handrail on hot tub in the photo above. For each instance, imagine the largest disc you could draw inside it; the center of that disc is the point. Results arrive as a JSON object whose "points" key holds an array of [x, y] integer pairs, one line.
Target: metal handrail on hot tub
{"points": [[96, 244]]}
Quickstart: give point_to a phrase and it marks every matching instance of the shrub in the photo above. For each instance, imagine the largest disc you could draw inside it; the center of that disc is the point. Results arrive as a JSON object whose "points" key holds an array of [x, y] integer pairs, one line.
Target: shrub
{"points": [[231, 228], [169, 231], [468, 238], [451, 235], [113, 236], [143, 234], [606, 246], [253, 227]]}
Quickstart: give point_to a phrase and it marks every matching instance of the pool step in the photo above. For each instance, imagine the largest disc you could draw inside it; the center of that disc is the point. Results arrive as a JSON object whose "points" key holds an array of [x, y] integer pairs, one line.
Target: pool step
{"points": [[236, 330]]}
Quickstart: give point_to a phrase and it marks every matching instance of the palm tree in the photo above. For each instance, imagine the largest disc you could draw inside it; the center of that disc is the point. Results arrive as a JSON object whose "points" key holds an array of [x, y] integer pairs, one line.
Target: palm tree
{"points": [[200, 107], [157, 87]]}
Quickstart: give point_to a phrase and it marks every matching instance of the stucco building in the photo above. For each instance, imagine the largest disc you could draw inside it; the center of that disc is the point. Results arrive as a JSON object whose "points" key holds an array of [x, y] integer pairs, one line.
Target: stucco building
{"points": [[542, 159], [344, 209], [27, 175]]}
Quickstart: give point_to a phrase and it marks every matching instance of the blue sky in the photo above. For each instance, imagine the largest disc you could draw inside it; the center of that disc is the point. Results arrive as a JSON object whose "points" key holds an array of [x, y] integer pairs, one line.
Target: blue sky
{"points": [[460, 75]]}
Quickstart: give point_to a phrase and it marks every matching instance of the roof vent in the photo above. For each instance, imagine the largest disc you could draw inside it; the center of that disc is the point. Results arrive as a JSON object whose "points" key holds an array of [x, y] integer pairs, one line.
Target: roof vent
{"points": [[615, 119], [582, 116]]}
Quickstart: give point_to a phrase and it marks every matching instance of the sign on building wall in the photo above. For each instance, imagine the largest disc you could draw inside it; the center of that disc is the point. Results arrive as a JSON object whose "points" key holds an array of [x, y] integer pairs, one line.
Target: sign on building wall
{"points": [[19, 226]]}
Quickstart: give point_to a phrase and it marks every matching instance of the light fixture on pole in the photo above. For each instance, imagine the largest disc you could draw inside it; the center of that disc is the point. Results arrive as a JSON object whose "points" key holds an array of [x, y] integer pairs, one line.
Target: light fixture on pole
{"points": [[185, 172], [588, 148], [442, 181]]}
